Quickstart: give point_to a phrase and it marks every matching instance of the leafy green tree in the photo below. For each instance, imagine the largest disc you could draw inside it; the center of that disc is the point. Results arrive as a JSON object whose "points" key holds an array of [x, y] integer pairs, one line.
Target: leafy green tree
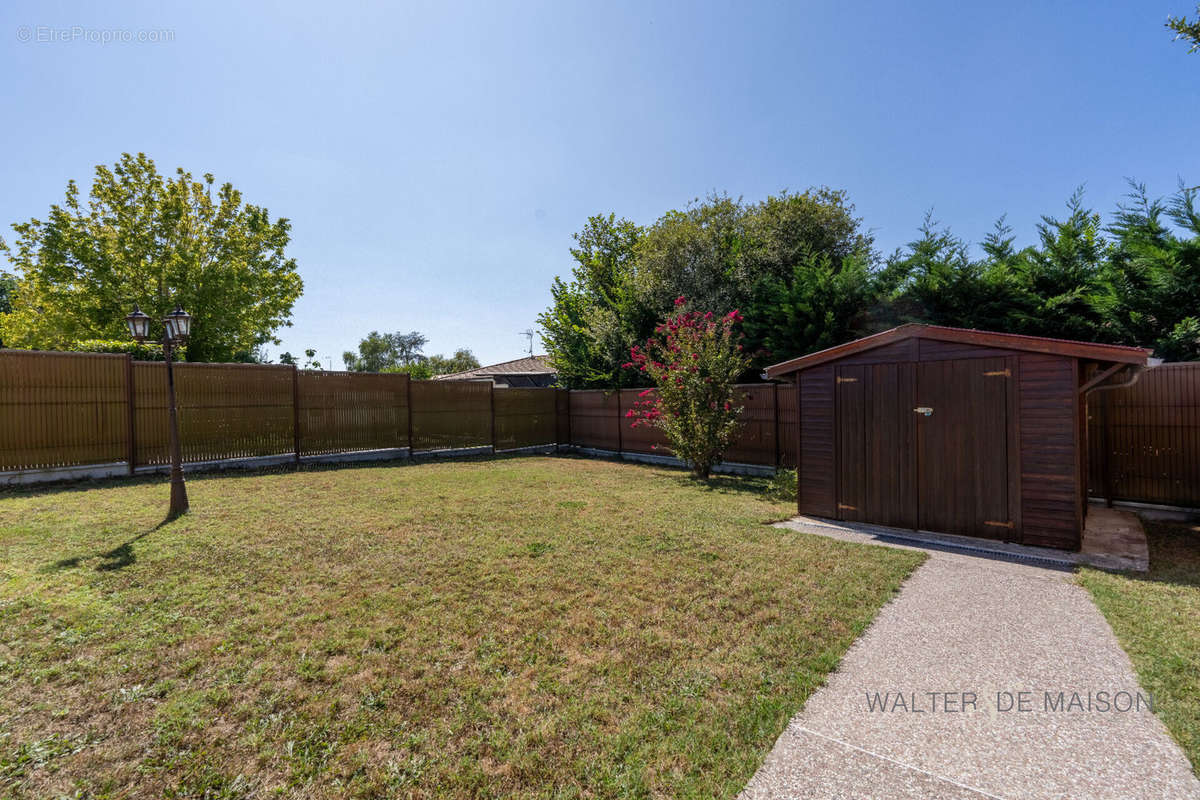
{"points": [[379, 351], [695, 253], [807, 267], [936, 281], [417, 370], [1154, 273], [462, 360], [140, 237], [797, 264], [820, 304], [1061, 281], [1188, 30], [597, 316]]}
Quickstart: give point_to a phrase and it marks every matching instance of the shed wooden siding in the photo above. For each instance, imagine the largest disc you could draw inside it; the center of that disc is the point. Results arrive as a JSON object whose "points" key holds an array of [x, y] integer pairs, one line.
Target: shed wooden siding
{"points": [[905, 350], [1051, 513], [1045, 441], [816, 467]]}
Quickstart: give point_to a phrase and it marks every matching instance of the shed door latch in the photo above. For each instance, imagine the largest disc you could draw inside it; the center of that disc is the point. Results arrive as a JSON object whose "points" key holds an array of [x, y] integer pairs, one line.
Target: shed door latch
{"points": [[998, 373], [846, 380], [846, 507], [996, 524], [926, 410]]}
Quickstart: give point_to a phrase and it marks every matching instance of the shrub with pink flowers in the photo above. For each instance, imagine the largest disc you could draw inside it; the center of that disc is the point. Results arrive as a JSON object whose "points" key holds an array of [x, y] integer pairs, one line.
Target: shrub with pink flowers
{"points": [[694, 359]]}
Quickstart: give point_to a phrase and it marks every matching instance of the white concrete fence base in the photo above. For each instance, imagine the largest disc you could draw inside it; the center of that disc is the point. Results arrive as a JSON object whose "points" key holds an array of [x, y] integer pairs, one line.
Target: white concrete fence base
{"points": [[119, 469]]}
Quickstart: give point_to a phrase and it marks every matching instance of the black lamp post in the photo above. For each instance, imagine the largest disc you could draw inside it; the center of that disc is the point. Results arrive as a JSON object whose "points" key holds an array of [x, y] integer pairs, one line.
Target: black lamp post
{"points": [[176, 327]]}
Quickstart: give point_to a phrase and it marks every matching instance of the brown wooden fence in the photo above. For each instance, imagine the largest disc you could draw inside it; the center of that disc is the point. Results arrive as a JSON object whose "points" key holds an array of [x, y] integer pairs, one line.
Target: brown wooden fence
{"points": [[80, 409], [60, 409], [1144, 440]]}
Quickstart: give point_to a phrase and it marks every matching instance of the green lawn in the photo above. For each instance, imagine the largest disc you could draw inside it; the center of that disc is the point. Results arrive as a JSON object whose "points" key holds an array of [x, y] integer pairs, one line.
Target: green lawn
{"points": [[528, 627], [1157, 620]]}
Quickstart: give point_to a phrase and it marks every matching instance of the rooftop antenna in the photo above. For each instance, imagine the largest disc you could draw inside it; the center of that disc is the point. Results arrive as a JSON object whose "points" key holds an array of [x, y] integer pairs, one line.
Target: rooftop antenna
{"points": [[528, 333]]}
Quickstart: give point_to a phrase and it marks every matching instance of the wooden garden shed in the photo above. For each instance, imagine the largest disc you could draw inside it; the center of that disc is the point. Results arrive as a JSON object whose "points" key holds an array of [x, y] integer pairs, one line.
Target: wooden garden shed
{"points": [[950, 430]]}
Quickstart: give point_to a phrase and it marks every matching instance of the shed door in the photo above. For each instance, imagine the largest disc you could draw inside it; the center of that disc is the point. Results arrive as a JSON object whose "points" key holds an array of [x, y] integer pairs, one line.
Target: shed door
{"points": [[877, 479], [962, 446]]}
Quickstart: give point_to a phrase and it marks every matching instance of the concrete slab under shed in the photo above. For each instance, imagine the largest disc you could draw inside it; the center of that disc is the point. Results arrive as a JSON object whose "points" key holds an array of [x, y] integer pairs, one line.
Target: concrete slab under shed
{"points": [[1112, 539]]}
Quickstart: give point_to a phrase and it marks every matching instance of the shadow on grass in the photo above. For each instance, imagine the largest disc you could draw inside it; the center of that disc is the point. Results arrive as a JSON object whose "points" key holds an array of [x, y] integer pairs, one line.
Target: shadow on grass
{"points": [[117, 558], [1174, 554], [722, 484]]}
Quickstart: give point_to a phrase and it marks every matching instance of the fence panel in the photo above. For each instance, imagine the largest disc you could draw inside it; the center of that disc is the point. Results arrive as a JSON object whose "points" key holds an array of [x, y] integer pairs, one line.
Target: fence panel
{"points": [[61, 409], [562, 413], [1151, 434], [451, 414], [225, 411], [70, 409], [341, 412], [789, 413], [525, 417], [643, 438], [594, 419], [755, 442]]}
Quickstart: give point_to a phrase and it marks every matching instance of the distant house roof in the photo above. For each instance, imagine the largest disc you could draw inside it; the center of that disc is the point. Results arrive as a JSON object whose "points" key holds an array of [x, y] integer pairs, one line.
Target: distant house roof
{"points": [[1008, 341], [529, 365]]}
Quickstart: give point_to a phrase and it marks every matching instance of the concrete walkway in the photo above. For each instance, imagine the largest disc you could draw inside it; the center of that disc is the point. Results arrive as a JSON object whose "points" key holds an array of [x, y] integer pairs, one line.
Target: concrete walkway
{"points": [[970, 628]]}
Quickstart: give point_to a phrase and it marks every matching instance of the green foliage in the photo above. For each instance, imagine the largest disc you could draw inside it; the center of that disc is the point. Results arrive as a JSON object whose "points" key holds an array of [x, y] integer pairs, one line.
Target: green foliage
{"points": [[141, 351], [936, 281], [782, 260], [1061, 281], [1154, 273], [379, 351], [7, 284], [462, 360], [782, 485], [141, 237], [310, 360], [807, 278], [417, 370], [597, 316], [695, 361], [1188, 30], [820, 304]]}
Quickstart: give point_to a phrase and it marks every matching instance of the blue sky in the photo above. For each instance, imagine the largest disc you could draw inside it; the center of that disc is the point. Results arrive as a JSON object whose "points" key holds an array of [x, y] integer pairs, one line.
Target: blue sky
{"points": [[435, 158]]}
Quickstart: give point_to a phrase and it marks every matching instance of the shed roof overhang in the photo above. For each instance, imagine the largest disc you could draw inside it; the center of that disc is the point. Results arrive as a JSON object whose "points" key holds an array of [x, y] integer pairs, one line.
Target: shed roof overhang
{"points": [[1090, 351]]}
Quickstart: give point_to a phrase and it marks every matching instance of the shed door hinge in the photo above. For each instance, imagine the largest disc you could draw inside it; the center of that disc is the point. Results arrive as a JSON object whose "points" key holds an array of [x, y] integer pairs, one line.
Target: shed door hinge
{"points": [[846, 380], [996, 524], [998, 373]]}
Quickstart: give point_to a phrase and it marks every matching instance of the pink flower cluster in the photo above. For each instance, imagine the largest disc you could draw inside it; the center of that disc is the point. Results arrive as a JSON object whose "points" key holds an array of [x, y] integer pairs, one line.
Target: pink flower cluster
{"points": [[674, 354]]}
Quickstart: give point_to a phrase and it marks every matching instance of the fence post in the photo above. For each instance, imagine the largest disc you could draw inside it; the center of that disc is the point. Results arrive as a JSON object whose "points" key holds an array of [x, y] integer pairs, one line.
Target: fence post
{"points": [[799, 441], [492, 411], [1105, 465], [620, 431], [296, 411], [570, 422], [408, 406], [130, 422], [775, 409]]}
